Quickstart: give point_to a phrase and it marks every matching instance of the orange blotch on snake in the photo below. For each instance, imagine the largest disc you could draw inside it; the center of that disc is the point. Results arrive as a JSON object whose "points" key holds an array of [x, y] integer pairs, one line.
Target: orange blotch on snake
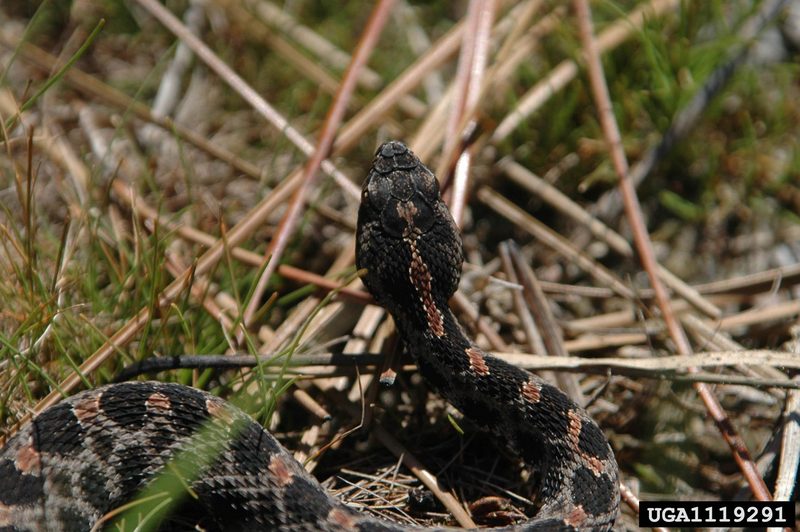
{"points": [[576, 517], [420, 278], [86, 410], [532, 392], [158, 401], [283, 475], [477, 362], [342, 519], [594, 464], [28, 459]]}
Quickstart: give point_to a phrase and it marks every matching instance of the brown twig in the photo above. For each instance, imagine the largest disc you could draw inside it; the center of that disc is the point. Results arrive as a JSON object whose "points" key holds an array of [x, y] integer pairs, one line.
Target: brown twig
{"points": [[633, 502], [393, 93], [552, 335], [675, 367], [278, 244], [468, 82], [645, 248]]}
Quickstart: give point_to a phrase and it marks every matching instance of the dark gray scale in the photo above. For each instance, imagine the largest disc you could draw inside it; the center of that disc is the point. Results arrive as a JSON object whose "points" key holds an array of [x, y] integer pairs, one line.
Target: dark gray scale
{"points": [[57, 431], [592, 492], [593, 442], [18, 488], [97, 450], [125, 404]]}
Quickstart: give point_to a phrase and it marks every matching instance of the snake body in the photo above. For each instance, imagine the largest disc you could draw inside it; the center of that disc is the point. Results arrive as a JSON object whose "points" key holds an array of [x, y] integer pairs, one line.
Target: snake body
{"points": [[95, 451]]}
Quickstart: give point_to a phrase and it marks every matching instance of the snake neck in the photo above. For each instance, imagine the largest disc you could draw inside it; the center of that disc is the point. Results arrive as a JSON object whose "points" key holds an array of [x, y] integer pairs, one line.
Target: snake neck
{"points": [[528, 414], [484, 388], [411, 250]]}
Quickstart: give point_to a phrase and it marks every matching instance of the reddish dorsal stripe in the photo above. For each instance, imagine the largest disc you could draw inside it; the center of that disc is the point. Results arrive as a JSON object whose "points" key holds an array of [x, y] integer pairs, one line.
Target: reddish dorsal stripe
{"points": [[28, 459], [158, 401], [594, 464], [6, 514], [216, 408], [575, 424], [477, 362], [576, 517], [574, 434], [86, 409], [532, 392], [282, 473], [342, 519], [420, 278], [406, 210]]}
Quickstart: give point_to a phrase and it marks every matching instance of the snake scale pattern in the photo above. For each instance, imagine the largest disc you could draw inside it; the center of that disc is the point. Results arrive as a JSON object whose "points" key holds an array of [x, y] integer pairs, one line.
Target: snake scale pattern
{"points": [[86, 456]]}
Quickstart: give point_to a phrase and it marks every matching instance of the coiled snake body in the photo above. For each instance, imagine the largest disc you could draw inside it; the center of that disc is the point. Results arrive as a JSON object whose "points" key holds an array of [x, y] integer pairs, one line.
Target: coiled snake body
{"points": [[95, 451]]}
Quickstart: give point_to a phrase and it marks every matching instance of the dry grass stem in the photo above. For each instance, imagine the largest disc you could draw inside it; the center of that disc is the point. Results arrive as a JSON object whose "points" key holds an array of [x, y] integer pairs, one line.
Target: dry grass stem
{"points": [[644, 247]]}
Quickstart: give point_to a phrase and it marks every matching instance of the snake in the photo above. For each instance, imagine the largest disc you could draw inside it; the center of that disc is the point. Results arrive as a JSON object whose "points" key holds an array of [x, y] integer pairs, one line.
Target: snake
{"points": [[79, 462]]}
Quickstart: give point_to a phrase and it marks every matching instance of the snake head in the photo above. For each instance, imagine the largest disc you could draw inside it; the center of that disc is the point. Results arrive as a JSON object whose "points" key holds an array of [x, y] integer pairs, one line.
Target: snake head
{"points": [[400, 191], [406, 237]]}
